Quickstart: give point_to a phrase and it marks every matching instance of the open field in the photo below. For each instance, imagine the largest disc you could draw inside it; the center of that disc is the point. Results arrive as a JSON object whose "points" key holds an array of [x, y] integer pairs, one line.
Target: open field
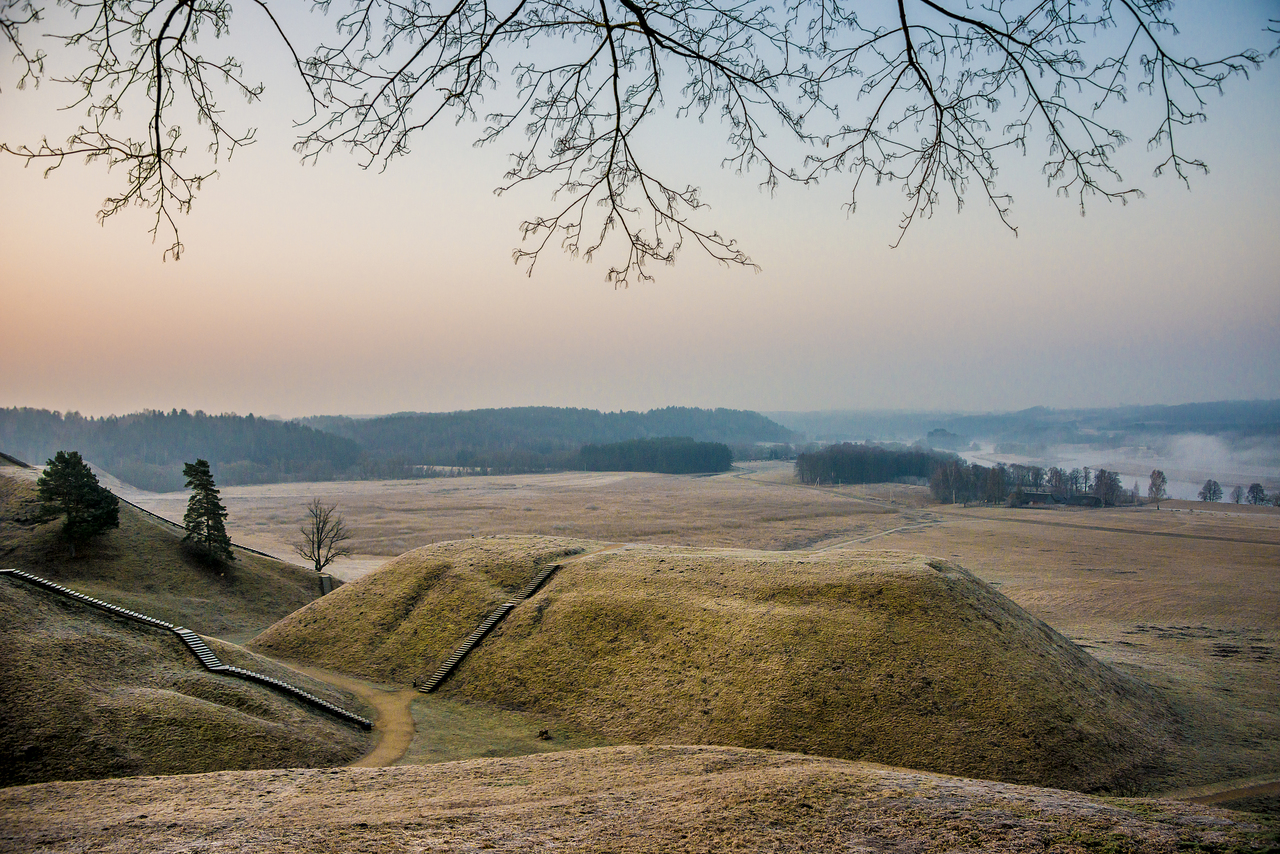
{"points": [[1186, 598], [388, 518]]}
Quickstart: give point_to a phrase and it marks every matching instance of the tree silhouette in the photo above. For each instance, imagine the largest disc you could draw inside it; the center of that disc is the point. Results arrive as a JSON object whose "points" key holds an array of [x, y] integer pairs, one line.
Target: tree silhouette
{"points": [[930, 95], [205, 516], [323, 534], [1156, 489], [68, 487], [1211, 491]]}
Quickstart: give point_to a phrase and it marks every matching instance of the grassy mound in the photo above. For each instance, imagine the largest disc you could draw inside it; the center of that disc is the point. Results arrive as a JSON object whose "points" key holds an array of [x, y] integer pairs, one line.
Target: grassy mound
{"points": [[882, 656], [633, 799], [88, 695], [399, 623], [144, 566]]}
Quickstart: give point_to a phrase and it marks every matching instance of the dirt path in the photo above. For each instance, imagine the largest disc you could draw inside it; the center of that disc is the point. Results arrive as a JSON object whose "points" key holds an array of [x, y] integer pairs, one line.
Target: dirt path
{"points": [[843, 543], [1228, 790], [1260, 790], [393, 728]]}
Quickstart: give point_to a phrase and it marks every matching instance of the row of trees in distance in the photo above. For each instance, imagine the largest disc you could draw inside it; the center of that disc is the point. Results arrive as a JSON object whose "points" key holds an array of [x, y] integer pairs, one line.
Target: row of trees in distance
{"points": [[958, 482], [671, 455], [866, 463], [1256, 494]]}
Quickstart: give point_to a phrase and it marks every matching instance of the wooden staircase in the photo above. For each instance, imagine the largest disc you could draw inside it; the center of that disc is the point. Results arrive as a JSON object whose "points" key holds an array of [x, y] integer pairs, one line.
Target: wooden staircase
{"points": [[472, 640], [196, 644]]}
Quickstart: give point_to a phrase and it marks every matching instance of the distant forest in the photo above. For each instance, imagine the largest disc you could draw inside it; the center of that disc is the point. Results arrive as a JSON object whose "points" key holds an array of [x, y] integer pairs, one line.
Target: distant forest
{"points": [[674, 455], [147, 449], [868, 463]]}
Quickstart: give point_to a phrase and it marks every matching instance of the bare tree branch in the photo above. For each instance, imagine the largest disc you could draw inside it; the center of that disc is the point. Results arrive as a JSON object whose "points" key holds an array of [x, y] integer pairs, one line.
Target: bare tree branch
{"points": [[936, 94], [322, 535]]}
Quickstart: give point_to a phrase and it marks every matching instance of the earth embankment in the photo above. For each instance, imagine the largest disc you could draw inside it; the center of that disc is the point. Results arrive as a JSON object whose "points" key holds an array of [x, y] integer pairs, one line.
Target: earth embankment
{"points": [[88, 695], [878, 656]]}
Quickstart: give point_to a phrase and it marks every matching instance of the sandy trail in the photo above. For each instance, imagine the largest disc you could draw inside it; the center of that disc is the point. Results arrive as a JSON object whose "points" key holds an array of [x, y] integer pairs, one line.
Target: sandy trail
{"points": [[1239, 794], [1228, 790], [393, 728]]}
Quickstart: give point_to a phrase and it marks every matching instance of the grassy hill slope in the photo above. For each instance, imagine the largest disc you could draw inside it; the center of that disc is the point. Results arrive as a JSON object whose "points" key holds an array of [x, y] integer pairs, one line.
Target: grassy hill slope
{"points": [[399, 623], [633, 799], [860, 655], [142, 565], [89, 695]]}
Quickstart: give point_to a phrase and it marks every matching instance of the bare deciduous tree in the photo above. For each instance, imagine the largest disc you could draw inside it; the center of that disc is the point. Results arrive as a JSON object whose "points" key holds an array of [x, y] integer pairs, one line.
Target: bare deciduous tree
{"points": [[927, 94], [323, 534]]}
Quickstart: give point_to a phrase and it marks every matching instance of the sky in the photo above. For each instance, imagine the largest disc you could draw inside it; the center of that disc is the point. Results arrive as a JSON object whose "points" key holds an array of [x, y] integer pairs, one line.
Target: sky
{"points": [[329, 289]]}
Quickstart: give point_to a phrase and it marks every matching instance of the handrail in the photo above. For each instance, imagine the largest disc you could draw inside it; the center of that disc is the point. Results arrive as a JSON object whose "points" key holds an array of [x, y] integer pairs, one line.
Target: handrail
{"points": [[473, 640], [193, 642]]}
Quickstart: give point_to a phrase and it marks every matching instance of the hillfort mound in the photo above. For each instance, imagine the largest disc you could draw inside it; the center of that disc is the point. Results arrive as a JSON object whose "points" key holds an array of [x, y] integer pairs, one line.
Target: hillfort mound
{"points": [[881, 656], [89, 695], [143, 565], [847, 655]]}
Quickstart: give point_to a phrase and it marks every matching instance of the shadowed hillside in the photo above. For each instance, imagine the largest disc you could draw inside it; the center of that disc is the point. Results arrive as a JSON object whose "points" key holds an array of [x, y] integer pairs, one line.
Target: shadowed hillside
{"points": [[88, 695], [862, 655], [143, 565]]}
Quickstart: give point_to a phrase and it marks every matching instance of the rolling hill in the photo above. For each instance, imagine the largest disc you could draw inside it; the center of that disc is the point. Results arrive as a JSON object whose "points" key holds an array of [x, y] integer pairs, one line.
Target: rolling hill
{"points": [[658, 799], [143, 565], [88, 695], [878, 656]]}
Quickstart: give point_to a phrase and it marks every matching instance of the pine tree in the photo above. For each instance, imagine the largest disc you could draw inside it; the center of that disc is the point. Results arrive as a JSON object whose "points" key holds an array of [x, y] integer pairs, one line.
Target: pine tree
{"points": [[205, 513], [68, 486]]}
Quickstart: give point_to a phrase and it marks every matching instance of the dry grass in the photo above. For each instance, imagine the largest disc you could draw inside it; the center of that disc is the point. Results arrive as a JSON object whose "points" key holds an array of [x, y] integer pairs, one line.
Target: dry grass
{"points": [[636, 799], [1196, 614], [399, 623], [850, 654], [388, 518], [89, 695], [450, 729], [143, 565]]}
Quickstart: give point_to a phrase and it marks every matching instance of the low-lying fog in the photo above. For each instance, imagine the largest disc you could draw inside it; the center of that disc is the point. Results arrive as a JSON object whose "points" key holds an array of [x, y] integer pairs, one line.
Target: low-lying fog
{"points": [[1187, 460]]}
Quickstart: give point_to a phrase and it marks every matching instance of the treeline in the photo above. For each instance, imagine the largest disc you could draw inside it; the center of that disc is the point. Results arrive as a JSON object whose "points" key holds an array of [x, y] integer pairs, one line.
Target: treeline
{"points": [[868, 463], [149, 448], [671, 455], [537, 438], [956, 482]]}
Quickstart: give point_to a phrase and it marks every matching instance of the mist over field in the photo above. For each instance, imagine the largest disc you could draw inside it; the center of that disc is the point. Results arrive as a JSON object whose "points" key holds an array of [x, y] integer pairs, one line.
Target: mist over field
{"points": [[1232, 442], [1187, 459]]}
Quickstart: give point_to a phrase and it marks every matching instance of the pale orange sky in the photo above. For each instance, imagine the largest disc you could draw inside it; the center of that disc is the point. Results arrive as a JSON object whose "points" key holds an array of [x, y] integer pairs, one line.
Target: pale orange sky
{"points": [[327, 289]]}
